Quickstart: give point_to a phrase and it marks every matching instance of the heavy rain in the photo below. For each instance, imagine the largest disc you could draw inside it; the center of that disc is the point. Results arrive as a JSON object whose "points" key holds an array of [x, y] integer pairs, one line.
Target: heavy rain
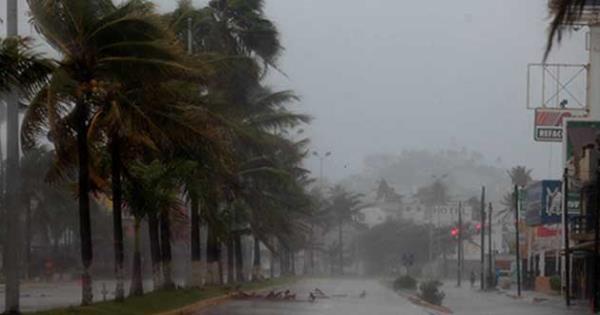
{"points": [[266, 157]]}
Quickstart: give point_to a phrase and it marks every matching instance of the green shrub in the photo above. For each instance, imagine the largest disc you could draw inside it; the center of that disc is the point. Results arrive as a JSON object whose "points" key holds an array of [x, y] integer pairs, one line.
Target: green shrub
{"points": [[555, 283], [431, 293], [405, 283]]}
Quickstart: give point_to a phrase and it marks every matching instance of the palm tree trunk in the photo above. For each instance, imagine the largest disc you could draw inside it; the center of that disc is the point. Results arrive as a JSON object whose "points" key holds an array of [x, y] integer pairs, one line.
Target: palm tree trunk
{"points": [[212, 256], [256, 270], [341, 249], [2, 196], [239, 259], [165, 249], [230, 261], [195, 241], [85, 228], [154, 249], [117, 217], [284, 262], [28, 240], [137, 284], [272, 265], [220, 264], [292, 263]]}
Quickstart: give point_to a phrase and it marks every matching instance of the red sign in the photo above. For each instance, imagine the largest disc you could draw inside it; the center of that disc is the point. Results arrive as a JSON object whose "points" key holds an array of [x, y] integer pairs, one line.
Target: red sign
{"points": [[549, 121], [546, 232]]}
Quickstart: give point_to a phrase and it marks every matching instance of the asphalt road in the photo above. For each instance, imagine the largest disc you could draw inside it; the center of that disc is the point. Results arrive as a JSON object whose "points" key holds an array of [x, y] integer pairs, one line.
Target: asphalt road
{"points": [[345, 300], [382, 301]]}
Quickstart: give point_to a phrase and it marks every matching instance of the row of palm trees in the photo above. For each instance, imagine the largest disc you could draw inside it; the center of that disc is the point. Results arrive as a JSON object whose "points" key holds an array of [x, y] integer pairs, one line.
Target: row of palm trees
{"points": [[158, 112]]}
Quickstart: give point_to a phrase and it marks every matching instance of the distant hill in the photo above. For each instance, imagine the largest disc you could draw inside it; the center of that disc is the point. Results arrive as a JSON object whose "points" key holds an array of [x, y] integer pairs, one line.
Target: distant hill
{"points": [[466, 171]]}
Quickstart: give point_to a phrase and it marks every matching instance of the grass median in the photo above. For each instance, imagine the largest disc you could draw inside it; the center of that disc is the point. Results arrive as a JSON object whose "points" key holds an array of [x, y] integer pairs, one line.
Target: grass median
{"points": [[161, 301]]}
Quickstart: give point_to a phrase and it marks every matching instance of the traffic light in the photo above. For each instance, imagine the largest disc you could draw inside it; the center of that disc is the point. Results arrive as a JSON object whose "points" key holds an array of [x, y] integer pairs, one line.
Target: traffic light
{"points": [[454, 232]]}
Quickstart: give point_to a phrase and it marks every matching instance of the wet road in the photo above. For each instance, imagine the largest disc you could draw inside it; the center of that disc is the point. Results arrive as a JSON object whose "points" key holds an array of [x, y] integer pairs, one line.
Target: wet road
{"points": [[379, 301], [382, 301]]}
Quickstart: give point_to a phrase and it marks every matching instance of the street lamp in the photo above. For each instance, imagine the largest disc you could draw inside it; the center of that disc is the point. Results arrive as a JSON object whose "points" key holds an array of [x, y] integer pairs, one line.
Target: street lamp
{"points": [[321, 158]]}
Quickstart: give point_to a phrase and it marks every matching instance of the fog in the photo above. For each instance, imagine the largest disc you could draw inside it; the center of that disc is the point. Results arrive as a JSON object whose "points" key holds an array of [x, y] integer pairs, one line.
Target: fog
{"points": [[418, 74], [382, 76], [416, 106]]}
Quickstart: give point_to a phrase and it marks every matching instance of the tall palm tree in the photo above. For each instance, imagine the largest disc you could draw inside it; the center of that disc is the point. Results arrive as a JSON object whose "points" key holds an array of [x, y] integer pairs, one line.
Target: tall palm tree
{"points": [[562, 12], [21, 70], [151, 189], [99, 42], [345, 208], [520, 176]]}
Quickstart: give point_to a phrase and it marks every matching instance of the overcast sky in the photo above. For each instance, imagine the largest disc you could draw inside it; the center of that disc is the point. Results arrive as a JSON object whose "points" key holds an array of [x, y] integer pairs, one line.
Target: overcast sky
{"points": [[381, 76]]}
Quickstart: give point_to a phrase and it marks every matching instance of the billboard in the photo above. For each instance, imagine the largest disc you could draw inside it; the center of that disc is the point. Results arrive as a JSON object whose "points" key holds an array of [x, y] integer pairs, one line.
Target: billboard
{"points": [[548, 123], [543, 203]]}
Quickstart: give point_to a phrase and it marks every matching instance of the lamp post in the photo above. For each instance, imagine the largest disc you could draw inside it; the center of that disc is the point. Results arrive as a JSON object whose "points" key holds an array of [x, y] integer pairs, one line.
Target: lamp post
{"points": [[517, 241], [436, 200], [459, 249], [321, 158]]}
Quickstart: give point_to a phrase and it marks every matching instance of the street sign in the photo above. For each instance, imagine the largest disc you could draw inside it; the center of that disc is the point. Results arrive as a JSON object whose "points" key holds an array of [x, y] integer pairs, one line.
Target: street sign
{"points": [[548, 124], [574, 203]]}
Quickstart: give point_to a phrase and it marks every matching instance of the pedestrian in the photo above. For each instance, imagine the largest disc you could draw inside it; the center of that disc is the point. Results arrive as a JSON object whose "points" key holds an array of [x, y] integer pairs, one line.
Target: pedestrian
{"points": [[473, 277]]}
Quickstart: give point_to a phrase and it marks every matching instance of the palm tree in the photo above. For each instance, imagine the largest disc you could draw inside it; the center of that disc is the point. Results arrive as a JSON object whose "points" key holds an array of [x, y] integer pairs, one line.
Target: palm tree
{"points": [[562, 12], [520, 176], [102, 46], [345, 208], [260, 183], [21, 70], [151, 189]]}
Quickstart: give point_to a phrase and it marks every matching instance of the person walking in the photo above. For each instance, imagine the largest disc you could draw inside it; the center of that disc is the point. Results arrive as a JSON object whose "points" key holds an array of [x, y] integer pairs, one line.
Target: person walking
{"points": [[473, 277]]}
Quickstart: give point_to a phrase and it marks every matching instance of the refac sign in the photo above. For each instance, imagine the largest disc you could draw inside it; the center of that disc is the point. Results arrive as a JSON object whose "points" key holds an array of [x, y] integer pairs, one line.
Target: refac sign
{"points": [[548, 124]]}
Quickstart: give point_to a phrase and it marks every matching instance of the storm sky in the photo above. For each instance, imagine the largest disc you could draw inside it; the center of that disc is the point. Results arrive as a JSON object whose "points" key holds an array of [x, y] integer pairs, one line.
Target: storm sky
{"points": [[381, 76]]}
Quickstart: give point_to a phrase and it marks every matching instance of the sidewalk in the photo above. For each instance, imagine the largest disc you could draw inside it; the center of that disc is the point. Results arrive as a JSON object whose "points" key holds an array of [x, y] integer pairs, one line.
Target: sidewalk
{"points": [[472, 301]]}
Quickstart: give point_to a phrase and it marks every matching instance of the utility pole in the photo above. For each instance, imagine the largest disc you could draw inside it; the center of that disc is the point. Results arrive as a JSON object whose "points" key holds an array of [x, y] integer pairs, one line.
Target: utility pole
{"points": [[459, 249], [593, 93], [491, 279], [482, 229], [517, 242], [596, 271], [593, 102], [565, 205], [12, 243]]}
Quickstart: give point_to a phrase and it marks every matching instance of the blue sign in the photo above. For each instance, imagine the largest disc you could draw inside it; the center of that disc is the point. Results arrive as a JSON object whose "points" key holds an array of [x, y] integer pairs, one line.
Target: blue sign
{"points": [[543, 202]]}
